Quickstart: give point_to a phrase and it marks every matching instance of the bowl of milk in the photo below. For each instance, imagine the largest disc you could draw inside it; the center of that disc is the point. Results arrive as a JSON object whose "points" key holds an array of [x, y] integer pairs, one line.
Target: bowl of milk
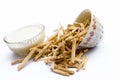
{"points": [[21, 40]]}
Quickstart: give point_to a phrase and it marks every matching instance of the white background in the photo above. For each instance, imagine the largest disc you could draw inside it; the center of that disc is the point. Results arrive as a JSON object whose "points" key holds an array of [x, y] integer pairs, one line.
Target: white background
{"points": [[103, 61]]}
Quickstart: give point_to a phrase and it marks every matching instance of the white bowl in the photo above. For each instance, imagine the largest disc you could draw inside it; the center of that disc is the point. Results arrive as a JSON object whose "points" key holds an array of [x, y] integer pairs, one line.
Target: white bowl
{"points": [[21, 40], [95, 31]]}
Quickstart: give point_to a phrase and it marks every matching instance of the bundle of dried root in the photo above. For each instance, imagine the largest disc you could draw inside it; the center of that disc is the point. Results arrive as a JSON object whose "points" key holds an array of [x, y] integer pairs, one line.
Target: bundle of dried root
{"points": [[59, 51]]}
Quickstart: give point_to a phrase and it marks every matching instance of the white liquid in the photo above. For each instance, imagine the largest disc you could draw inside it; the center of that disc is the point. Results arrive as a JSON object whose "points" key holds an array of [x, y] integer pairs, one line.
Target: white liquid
{"points": [[23, 34], [25, 38]]}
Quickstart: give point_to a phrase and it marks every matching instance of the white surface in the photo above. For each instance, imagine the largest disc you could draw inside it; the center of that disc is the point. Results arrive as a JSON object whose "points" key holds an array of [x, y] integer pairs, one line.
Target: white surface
{"points": [[103, 61]]}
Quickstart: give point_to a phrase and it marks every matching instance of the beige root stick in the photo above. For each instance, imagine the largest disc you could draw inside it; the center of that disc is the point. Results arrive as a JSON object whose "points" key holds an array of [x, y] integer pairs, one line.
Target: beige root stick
{"points": [[73, 51], [65, 59], [16, 61], [84, 63], [64, 54], [82, 33], [47, 58], [80, 54], [42, 51], [62, 28], [86, 50], [60, 72], [79, 67], [60, 33], [53, 65], [25, 60], [64, 69], [78, 60], [67, 35]]}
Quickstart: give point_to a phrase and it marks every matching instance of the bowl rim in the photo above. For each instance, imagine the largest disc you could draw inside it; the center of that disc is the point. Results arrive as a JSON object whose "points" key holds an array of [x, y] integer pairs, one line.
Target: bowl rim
{"points": [[37, 25]]}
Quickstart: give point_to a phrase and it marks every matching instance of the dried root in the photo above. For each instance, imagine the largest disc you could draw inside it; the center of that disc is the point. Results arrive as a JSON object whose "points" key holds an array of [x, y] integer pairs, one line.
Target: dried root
{"points": [[59, 51]]}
